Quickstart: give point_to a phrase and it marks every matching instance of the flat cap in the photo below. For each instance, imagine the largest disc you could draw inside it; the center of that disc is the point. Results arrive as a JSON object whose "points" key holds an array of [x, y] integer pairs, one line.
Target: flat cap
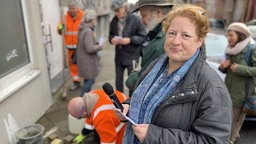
{"points": [[116, 4], [142, 3]]}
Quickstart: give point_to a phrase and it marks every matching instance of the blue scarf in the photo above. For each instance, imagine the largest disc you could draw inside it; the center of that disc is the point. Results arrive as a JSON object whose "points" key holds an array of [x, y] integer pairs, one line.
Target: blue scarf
{"points": [[154, 88]]}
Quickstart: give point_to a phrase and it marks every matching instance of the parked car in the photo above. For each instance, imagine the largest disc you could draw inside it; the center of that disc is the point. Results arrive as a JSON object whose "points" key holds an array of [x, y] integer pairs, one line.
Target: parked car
{"points": [[215, 66], [251, 22], [215, 47], [252, 26], [217, 23]]}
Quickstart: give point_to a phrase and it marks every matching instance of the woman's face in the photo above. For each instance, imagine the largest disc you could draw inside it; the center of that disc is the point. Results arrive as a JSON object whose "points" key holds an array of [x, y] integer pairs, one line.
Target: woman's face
{"points": [[181, 40], [232, 37]]}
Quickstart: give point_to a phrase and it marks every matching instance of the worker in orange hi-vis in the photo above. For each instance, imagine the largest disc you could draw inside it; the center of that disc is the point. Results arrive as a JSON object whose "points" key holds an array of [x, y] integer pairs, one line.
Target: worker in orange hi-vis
{"points": [[68, 27], [101, 123]]}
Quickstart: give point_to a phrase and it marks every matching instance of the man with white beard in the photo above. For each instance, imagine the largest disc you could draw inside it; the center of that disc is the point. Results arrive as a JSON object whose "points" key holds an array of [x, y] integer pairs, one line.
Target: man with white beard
{"points": [[152, 15]]}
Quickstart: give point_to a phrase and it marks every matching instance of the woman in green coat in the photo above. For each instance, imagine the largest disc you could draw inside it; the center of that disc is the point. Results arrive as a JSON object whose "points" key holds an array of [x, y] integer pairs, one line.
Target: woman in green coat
{"points": [[239, 74]]}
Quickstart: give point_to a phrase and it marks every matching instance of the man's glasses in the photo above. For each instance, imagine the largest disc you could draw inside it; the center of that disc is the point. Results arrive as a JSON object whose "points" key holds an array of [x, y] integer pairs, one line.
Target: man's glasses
{"points": [[81, 113]]}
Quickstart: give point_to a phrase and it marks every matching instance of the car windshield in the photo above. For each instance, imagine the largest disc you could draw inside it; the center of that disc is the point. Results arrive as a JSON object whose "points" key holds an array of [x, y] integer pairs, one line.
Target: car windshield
{"points": [[215, 46], [253, 30]]}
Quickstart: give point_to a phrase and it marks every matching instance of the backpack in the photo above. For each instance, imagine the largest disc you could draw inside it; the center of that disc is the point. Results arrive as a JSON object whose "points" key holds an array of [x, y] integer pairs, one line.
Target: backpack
{"points": [[248, 54], [249, 105]]}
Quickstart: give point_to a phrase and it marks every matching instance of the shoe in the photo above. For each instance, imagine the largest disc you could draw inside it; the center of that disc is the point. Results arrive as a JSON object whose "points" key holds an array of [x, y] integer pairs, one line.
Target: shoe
{"points": [[75, 86]]}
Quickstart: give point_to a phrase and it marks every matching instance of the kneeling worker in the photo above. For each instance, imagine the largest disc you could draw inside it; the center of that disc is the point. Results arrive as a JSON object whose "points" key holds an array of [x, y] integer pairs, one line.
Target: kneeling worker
{"points": [[97, 108]]}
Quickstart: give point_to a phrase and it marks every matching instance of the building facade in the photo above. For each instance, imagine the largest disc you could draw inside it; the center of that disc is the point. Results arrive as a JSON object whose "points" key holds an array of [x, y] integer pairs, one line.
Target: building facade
{"points": [[228, 11], [25, 91]]}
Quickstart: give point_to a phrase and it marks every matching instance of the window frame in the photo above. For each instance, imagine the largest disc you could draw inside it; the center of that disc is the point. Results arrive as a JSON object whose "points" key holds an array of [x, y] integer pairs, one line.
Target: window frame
{"points": [[15, 80]]}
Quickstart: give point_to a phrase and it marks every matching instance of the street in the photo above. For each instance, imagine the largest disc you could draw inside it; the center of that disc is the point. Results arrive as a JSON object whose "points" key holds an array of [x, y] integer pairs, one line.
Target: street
{"points": [[248, 133]]}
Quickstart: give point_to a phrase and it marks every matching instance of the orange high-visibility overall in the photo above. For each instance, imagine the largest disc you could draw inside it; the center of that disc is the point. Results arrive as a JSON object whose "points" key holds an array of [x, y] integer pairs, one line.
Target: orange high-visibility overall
{"points": [[104, 121], [70, 38]]}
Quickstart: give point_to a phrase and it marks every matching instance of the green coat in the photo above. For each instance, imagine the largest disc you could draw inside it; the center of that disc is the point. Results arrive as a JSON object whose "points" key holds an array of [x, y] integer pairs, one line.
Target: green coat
{"points": [[236, 81], [153, 50]]}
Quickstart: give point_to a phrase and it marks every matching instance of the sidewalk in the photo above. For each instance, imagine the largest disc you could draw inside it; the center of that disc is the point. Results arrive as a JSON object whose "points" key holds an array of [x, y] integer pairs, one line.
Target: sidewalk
{"points": [[57, 114]]}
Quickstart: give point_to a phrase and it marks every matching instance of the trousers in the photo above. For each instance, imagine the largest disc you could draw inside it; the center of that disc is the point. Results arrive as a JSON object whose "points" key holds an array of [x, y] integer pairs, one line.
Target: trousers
{"points": [[237, 122], [120, 68], [87, 86]]}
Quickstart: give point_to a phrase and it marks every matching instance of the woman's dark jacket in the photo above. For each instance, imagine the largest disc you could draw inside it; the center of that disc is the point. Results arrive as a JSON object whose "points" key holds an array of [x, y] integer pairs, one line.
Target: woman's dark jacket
{"points": [[152, 51], [199, 111]]}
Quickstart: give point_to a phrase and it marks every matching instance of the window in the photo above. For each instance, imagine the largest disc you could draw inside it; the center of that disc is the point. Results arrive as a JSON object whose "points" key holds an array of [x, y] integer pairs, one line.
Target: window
{"points": [[15, 60], [14, 48]]}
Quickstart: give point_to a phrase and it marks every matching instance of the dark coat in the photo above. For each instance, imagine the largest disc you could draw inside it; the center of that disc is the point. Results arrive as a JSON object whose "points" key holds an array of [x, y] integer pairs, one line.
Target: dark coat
{"points": [[199, 111], [153, 50], [135, 30], [87, 59]]}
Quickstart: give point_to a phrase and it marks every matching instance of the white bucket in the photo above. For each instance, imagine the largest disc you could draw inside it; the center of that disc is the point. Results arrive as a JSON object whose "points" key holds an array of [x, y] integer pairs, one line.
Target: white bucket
{"points": [[75, 125]]}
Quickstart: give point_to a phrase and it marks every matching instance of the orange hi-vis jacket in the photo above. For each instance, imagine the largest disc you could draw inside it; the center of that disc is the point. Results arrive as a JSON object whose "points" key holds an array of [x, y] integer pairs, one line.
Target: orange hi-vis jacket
{"points": [[71, 29], [71, 38], [104, 121]]}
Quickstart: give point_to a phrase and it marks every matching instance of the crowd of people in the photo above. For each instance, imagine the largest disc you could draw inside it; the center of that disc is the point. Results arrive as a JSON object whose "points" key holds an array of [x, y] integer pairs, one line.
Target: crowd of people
{"points": [[175, 96]]}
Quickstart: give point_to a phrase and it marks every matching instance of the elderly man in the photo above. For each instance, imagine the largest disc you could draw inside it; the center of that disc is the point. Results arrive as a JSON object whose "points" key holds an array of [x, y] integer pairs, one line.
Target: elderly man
{"points": [[68, 26], [152, 14], [101, 124], [127, 33]]}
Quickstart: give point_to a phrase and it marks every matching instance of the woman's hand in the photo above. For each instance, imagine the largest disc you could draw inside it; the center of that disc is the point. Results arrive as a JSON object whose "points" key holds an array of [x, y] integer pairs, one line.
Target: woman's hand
{"points": [[140, 131], [126, 108], [125, 111], [233, 67], [224, 64]]}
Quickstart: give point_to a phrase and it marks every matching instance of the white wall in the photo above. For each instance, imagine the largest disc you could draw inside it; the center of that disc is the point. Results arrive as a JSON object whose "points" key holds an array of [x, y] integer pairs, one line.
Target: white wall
{"points": [[31, 101]]}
